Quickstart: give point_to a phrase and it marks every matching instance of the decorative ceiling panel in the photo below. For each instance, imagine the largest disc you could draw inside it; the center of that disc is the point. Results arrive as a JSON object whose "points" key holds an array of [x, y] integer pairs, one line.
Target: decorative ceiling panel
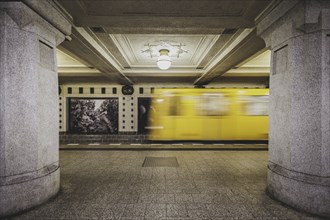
{"points": [[114, 36], [134, 48]]}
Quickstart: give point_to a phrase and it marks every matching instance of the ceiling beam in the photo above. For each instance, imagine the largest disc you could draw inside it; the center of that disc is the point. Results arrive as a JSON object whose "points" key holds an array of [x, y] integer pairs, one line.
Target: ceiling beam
{"points": [[89, 53], [164, 16], [244, 46], [153, 22]]}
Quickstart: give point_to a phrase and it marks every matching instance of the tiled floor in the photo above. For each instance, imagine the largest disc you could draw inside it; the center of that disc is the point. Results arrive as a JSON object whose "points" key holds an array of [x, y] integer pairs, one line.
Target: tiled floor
{"points": [[206, 185]]}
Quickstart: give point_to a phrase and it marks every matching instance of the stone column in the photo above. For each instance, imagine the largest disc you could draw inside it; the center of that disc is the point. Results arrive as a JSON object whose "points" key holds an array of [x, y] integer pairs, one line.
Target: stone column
{"points": [[29, 168], [298, 33]]}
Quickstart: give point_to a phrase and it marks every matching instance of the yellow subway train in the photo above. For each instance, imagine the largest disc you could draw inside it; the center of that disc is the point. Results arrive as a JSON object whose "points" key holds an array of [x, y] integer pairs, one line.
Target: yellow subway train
{"points": [[209, 114]]}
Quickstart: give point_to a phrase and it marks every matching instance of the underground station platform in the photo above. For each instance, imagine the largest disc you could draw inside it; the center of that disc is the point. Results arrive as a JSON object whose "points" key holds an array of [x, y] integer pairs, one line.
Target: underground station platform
{"points": [[140, 109], [186, 181]]}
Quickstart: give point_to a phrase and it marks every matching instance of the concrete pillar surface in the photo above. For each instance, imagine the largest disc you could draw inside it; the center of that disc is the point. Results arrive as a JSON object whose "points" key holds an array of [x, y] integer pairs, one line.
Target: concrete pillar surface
{"points": [[29, 169], [299, 135]]}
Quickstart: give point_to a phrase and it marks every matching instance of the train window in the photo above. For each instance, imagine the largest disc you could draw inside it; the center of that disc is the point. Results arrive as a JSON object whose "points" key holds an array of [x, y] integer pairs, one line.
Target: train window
{"points": [[214, 104], [255, 105], [183, 105]]}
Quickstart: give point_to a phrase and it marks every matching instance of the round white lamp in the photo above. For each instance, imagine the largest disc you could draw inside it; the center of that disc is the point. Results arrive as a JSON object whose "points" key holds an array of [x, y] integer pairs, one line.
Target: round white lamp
{"points": [[164, 60]]}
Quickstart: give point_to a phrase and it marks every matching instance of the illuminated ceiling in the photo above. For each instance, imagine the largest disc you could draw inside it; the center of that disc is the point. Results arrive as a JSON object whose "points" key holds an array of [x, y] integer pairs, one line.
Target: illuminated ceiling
{"points": [[109, 38]]}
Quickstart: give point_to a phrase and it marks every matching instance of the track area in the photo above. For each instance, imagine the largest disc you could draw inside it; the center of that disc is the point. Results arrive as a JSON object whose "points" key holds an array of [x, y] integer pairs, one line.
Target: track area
{"points": [[173, 146]]}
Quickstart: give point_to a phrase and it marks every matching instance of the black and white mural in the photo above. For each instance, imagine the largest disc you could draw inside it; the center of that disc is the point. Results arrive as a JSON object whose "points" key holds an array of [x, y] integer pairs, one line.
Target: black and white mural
{"points": [[93, 115]]}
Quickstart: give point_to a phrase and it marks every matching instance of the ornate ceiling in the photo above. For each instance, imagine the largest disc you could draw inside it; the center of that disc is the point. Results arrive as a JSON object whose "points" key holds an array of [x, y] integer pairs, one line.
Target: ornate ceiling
{"points": [[112, 40], [134, 49]]}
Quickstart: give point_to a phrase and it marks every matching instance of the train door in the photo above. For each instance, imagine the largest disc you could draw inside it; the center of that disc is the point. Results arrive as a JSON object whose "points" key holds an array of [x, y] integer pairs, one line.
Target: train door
{"points": [[188, 124], [162, 116], [253, 114], [210, 112]]}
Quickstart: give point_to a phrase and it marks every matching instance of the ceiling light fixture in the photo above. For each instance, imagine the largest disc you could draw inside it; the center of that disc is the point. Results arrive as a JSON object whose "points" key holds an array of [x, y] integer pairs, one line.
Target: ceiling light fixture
{"points": [[164, 60], [164, 51]]}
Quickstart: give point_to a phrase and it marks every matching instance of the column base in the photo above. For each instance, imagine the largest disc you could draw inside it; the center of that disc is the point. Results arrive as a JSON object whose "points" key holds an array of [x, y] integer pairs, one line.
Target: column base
{"points": [[25, 195], [301, 191]]}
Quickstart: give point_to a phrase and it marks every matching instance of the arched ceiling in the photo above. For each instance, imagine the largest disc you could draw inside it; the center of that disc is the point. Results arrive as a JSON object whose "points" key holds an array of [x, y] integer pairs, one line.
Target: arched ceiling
{"points": [[111, 40]]}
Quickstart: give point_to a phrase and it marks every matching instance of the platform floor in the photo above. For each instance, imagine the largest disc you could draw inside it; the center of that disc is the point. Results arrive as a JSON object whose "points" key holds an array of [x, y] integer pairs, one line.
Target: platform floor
{"points": [[100, 184]]}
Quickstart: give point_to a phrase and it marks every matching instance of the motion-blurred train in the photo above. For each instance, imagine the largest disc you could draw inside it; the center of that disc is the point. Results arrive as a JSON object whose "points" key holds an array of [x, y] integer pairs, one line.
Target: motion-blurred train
{"points": [[209, 114]]}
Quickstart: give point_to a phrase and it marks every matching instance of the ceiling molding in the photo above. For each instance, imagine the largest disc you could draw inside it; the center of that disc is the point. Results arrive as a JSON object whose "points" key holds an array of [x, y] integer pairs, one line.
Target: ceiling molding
{"points": [[99, 49], [201, 51], [131, 46], [76, 70], [82, 48], [244, 45], [163, 74], [222, 54], [218, 35], [125, 48]]}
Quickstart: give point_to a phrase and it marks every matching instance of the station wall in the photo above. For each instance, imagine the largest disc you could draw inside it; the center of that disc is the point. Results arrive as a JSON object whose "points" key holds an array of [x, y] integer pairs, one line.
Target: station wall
{"points": [[127, 104], [128, 109]]}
